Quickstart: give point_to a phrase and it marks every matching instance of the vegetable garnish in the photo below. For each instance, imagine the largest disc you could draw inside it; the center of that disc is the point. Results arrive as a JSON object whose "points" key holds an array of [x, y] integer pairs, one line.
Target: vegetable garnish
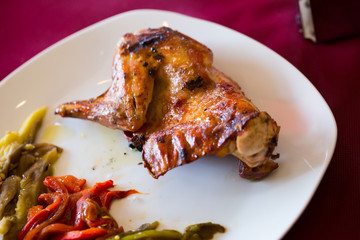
{"points": [[24, 165], [69, 211]]}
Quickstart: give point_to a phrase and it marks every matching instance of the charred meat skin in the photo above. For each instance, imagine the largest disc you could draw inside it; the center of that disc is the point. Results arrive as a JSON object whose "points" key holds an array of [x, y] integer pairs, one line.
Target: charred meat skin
{"points": [[176, 107]]}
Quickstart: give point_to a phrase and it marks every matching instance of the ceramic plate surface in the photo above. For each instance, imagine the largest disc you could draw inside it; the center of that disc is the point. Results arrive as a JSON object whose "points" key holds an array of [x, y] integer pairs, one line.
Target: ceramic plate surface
{"points": [[79, 67]]}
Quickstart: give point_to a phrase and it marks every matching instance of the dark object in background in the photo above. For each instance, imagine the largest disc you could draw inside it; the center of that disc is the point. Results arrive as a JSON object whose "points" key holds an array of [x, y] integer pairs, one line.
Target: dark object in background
{"points": [[329, 20]]}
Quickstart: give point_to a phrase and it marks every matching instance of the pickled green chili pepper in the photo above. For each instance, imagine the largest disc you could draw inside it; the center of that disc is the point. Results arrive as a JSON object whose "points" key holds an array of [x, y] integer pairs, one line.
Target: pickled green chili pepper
{"points": [[201, 231], [154, 234]]}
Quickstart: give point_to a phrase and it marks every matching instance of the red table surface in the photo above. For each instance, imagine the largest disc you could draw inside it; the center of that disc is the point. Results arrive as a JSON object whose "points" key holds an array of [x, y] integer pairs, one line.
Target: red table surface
{"points": [[28, 27]]}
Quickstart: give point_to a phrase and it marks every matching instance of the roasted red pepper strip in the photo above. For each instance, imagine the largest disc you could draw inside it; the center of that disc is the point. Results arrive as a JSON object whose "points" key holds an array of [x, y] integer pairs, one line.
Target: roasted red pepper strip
{"points": [[55, 185], [99, 187], [92, 193], [79, 222], [108, 196], [55, 228], [38, 218], [90, 233], [94, 215], [33, 211], [72, 183]]}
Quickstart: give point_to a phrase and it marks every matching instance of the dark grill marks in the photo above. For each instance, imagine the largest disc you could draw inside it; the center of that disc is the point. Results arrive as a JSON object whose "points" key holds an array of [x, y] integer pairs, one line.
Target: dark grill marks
{"points": [[182, 154], [143, 41], [158, 57], [137, 141], [192, 84], [134, 102], [151, 71]]}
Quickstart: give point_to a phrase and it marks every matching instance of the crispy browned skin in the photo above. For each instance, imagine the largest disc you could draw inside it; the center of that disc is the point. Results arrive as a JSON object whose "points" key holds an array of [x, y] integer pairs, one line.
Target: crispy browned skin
{"points": [[176, 107]]}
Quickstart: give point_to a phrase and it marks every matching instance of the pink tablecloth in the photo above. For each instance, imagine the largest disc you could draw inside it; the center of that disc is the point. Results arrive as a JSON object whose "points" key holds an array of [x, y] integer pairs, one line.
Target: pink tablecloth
{"points": [[27, 27]]}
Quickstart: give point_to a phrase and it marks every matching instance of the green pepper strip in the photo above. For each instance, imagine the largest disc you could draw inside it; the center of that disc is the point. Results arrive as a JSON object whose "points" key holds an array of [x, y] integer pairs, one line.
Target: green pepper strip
{"points": [[154, 234]]}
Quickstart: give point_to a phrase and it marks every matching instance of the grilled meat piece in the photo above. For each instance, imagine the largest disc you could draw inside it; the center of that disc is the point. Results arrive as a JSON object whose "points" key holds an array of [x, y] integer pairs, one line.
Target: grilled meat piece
{"points": [[176, 107]]}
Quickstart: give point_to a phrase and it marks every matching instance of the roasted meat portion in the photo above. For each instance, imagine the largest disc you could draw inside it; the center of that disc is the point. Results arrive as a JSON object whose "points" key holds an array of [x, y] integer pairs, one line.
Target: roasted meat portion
{"points": [[175, 107]]}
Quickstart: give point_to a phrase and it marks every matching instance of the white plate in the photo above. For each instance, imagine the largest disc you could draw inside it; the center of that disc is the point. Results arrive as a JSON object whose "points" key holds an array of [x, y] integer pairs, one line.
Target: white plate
{"points": [[209, 189]]}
